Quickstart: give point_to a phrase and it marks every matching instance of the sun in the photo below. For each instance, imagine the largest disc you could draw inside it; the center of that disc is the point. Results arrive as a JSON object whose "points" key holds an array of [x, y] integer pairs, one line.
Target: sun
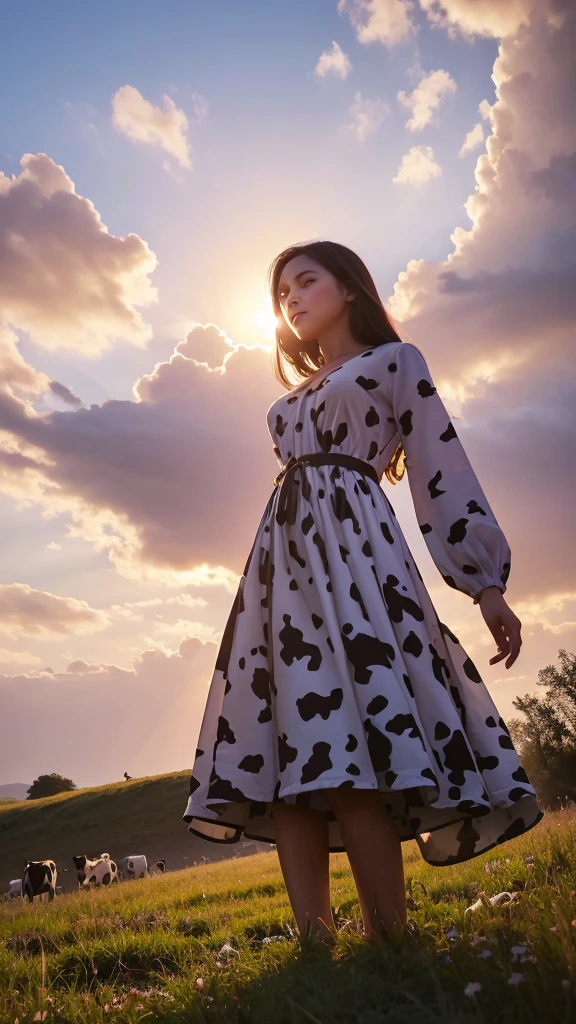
{"points": [[265, 321]]}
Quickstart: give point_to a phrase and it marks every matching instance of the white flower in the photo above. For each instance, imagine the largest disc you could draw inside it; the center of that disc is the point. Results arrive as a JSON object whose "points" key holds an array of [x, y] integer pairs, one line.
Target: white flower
{"points": [[515, 979], [472, 987], [199, 982]]}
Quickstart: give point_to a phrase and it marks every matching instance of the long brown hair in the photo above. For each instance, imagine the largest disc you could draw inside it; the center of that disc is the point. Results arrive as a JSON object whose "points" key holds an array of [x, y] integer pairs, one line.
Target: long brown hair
{"points": [[370, 324]]}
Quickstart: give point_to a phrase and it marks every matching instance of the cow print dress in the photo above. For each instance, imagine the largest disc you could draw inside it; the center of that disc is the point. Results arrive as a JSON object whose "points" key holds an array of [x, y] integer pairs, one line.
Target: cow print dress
{"points": [[368, 689]]}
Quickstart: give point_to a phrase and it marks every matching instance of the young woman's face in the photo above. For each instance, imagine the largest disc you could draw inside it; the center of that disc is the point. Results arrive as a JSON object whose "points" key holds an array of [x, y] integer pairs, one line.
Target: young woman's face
{"points": [[311, 299]]}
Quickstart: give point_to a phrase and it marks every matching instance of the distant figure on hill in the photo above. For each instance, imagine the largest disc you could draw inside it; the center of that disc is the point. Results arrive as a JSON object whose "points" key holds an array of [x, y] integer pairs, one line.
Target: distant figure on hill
{"points": [[127, 777]]}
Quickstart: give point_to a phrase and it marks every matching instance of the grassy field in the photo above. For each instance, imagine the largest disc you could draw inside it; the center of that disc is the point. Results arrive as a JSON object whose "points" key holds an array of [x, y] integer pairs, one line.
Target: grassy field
{"points": [[141, 816], [216, 943]]}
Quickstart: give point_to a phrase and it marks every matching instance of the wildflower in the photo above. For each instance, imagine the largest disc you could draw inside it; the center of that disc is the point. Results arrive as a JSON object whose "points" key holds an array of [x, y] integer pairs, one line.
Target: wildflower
{"points": [[452, 933], [485, 953], [472, 987], [199, 983], [515, 979], [517, 951], [475, 939], [40, 1015]]}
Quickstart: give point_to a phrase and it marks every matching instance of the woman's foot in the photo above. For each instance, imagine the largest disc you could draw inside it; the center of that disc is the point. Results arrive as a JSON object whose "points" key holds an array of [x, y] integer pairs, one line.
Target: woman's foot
{"points": [[409, 928]]}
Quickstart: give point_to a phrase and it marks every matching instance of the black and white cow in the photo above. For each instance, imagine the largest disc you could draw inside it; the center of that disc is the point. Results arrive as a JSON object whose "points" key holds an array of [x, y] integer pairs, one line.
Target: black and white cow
{"points": [[14, 889], [101, 870], [135, 866], [39, 877], [158, 868]]}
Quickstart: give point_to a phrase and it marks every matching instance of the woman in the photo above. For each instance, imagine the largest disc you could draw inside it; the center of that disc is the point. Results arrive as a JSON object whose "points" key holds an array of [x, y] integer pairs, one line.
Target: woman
{"points": [[342, 714]]}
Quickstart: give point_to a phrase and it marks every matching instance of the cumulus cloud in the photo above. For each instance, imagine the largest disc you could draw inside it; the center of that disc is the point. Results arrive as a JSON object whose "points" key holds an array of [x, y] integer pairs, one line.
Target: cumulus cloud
{"points": [[164, 127], [367, 115], [379, 21], [28, 612], [158, 483], [333, 62], [15, 372], [504, 299], [474, 138], [64, 279], [426, 98], [492, 18], [417, 167]]}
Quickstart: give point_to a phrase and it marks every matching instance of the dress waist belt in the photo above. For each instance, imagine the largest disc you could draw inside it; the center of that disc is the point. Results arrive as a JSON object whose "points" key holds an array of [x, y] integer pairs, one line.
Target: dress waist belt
{"points": [[280, 505]]}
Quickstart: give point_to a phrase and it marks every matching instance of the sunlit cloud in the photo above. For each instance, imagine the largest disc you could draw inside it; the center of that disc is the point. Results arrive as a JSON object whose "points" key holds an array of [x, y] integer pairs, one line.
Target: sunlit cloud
{"points": [[425, 100], [333, 62], [163, 127], [28, 612], [417, 167], [367, 115], [506, 291], [491, 18], [379, 21], [474, 138], [158, 506], [65, 279]]}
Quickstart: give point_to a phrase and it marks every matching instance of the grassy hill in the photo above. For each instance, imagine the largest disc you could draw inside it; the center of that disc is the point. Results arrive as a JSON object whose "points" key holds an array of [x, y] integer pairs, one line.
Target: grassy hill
{"points": [[140, 816], [189, 946]]}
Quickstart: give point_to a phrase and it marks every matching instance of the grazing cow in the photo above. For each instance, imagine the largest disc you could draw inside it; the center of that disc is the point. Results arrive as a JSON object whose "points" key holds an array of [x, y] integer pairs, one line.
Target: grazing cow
{"points": [[158, 868], [134, 867], [39, 877], [14, 889], [101, 870]]}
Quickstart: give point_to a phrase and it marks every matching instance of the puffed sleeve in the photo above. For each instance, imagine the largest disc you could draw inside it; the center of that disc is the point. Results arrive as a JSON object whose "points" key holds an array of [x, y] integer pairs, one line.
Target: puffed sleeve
{"points": [[458, 525]]}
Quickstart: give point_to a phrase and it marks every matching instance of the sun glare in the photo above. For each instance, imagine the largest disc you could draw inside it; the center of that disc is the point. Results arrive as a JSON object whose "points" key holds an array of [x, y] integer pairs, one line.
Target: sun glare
{"points": [[265, 322]]}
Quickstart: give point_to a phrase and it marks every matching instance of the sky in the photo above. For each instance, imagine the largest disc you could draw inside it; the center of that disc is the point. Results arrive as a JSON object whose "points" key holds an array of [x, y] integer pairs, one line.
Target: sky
{"points": [[154, 159]]}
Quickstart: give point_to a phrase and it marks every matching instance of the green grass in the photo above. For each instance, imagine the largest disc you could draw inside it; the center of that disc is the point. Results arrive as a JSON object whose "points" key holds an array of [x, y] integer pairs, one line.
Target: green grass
{"points": [[187, 946], [140, 816]]}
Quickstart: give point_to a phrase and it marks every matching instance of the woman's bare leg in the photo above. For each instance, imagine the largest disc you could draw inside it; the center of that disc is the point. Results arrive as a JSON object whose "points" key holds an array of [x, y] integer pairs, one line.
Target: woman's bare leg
{"points": [[375, 854], [303, 852]]}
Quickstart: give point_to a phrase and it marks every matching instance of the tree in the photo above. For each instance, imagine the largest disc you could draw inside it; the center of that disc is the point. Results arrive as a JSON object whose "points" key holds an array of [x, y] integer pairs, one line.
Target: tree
{"points": [[546, 736], [48, 785]]}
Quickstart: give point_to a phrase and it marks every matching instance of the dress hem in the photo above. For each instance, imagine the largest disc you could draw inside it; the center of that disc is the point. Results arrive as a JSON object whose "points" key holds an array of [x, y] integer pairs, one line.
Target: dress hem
{"points": [[240, 830]]}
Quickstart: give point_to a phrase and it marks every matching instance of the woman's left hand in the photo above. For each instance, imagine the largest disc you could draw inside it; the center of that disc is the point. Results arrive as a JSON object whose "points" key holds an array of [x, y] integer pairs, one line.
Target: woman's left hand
{"points": [[504, 625]]}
